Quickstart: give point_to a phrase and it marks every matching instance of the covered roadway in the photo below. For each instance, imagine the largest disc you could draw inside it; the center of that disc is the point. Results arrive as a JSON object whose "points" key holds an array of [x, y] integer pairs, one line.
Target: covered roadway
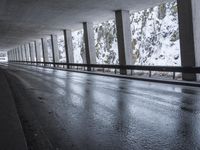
{"points": [[62, 110], [51, 109]]}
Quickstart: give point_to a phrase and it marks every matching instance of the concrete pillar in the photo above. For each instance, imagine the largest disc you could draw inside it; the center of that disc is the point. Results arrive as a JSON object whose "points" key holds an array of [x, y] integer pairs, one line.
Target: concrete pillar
{"points": [[55, 51], [19, 53], [68, 46], [32, 51], [45, 50], [23, 53], [11, 56], [8, 54], [27, 51], [16, 55], [124, 38], [189, 22], [37, 51], [89, 43], [15, 52], [12, 51]]}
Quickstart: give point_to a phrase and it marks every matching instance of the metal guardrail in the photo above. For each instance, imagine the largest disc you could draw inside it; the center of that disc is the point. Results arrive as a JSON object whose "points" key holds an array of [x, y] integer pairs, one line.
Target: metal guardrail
{"points": [[118, 68]]}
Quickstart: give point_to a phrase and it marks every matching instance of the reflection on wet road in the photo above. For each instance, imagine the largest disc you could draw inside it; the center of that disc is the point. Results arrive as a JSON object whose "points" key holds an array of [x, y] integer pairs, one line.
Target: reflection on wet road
{"points": [[91, 112]]}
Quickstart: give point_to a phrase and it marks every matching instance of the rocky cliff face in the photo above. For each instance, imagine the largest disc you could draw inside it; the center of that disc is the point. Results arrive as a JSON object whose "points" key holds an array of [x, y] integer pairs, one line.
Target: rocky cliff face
{"points": [[155, 38]]}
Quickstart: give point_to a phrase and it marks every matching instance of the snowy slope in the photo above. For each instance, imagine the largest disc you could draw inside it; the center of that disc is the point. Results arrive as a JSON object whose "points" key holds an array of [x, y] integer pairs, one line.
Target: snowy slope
{"points": [[155, 38]]}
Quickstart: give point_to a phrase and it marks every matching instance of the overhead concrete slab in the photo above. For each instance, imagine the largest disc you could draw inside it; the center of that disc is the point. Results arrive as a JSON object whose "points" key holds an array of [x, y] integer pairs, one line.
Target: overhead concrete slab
{"points": [[26, 20]]}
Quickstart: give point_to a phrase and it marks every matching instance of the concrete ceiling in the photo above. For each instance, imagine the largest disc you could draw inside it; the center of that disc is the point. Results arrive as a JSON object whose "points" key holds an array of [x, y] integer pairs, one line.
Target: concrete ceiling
{"points": [[23, 21]]}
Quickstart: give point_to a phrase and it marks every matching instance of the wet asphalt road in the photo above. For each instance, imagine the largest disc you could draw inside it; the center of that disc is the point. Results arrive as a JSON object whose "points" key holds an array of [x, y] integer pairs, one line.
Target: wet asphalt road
{"points": [[66, 110]]}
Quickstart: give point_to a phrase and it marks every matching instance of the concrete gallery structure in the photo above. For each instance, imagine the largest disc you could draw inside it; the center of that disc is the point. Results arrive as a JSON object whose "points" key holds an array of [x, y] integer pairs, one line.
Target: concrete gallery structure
{"points": [[46, 104]]}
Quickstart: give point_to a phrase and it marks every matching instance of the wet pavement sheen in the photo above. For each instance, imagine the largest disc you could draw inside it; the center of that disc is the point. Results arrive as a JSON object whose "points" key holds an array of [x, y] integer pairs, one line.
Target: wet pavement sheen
{"points": [[91, 112]]}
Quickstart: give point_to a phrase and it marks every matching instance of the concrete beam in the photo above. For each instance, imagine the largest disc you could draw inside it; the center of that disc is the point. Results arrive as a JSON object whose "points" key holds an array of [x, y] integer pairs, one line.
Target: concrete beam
{"points": [[45, 50], [89, 43], [68, 46], [55, 51], [124, 38]]}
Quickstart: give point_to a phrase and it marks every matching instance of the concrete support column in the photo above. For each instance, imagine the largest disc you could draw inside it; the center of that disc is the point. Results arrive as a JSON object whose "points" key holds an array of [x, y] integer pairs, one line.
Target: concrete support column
{"points": [[89, 44], [189, 22], [45, 50], [19, 54], [37, 51], [23, 53], [124, 38], [26, 46], [31, 49], [15, 51], [55, 51], [8, 54], [68, 46], [11, 54]]}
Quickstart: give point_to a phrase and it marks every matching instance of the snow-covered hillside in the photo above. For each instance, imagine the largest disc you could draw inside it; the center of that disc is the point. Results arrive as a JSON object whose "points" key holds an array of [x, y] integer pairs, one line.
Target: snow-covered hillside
{"points": [[155, 38]]}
